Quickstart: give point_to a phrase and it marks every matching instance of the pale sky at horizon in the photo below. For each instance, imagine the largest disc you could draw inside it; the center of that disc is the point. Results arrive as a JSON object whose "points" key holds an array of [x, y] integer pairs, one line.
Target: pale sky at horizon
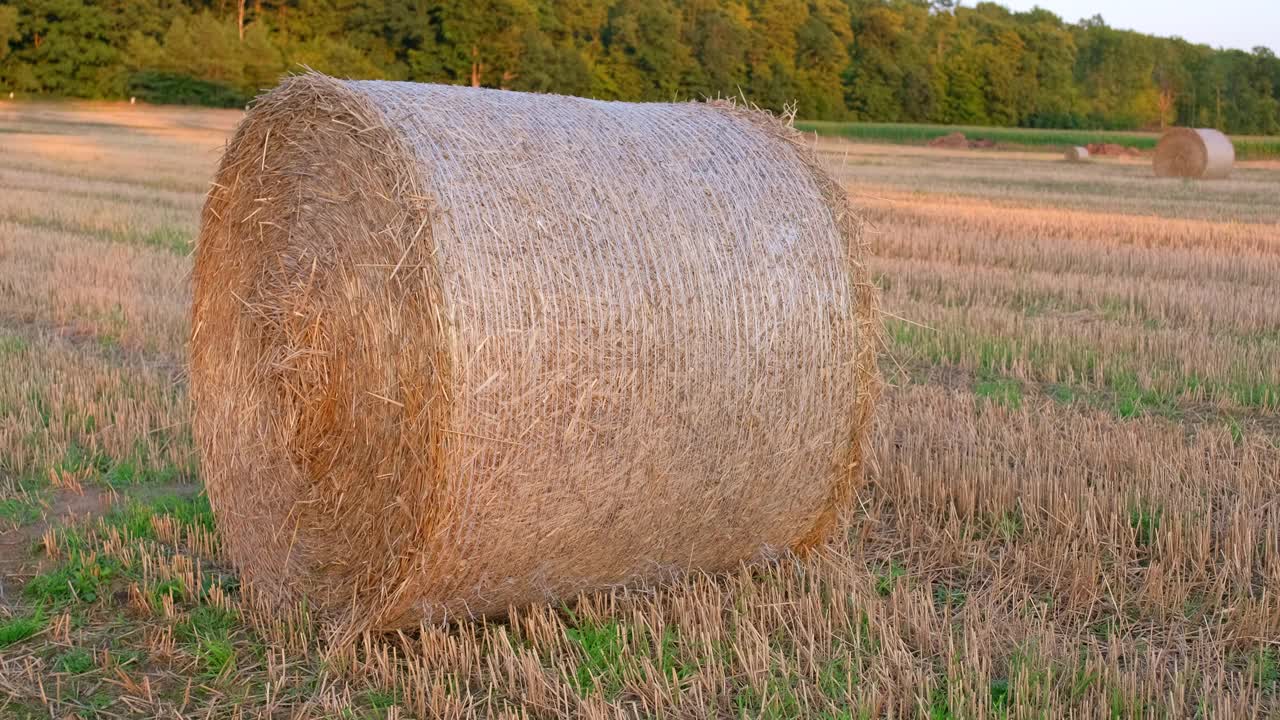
{"points": [[1241, 24]]}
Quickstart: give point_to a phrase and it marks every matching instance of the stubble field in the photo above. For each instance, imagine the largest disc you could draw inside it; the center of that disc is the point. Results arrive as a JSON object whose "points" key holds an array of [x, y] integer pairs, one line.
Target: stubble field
{"points": [[1073, 505]]}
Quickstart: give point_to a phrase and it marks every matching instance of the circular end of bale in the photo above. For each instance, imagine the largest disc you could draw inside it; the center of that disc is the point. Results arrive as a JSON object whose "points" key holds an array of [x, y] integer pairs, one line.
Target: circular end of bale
{"points": [[1202, 153], [322, 481]]}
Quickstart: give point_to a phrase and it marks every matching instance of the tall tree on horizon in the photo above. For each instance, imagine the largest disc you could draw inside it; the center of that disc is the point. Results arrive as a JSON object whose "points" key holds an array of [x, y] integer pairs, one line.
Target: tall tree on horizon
{"points": [[477, 43]]}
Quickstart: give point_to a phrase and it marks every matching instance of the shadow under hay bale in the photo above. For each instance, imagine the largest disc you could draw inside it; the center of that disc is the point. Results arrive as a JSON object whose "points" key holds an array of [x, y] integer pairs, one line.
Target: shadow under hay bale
{"points": [[1201, 153], [455, 349]]}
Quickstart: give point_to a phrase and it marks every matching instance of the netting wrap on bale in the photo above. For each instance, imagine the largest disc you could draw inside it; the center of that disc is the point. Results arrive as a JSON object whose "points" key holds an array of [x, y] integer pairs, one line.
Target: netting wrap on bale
{"points": [[1194, 153], [455, 350]]}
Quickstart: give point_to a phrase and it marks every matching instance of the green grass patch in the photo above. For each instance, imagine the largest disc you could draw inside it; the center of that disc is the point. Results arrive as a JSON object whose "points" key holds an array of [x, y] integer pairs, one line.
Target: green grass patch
{"points": [[1122, 706], [601, 667], [1236, 430], [609, 653], [939, 706], [1145, 522], [945, 596], [206, 632], [379, 700], [666, 654], [1125, 310], [1134, 398], [134, 517], [216, 654], [174, 239], [1080, 680], [838, 678], [998, 355], [76, 580], [1008, 525], [1070, 373], [165, 237], [76, 661], [775, 701], [1000, 390], [19, 628], [166, 588], [13, 345], [19, 510], [1265, 670], [921, 133], [1256, 148], [1062, 394], [1253, 393], [137, 467], [78, 459], [887, 578]]}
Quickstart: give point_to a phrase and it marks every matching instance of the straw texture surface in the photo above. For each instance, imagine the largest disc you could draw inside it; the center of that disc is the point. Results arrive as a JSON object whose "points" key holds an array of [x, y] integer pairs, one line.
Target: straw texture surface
{"points": [[456, 349], [1194, 153]]}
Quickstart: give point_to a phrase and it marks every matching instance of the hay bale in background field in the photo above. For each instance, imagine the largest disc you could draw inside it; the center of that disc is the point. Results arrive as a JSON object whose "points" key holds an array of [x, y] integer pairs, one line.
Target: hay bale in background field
{"points": [[955, 140], [1077, 154], [458, 349], [1194, 153]]}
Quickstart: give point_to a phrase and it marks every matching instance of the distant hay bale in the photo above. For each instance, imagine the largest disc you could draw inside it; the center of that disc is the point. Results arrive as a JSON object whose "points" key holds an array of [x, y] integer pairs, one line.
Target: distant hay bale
{"points": [[455, 350], [1194, 153], [1077, 154], [954, 141]]}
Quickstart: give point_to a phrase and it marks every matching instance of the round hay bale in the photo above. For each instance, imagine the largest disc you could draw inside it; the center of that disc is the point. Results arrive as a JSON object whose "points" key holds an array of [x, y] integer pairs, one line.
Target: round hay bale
{"points": [[455, 350], [1194, 153], [1077, 154]]}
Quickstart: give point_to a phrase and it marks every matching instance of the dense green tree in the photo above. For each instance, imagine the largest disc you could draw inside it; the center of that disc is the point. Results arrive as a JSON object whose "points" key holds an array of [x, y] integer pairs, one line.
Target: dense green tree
{"points": [[333, 56], [8, 29], [478, 43], [891, 73], [1049, 65], [962, 93], [717, 33], [67, 47], [563, 51], [1252, 105], [822, 54], [1115, 70], [645, 58], [771, 51]]}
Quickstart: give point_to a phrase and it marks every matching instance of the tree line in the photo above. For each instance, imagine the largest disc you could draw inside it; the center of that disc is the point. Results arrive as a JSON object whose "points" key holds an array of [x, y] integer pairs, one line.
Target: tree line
{"points": [[871, 60]]}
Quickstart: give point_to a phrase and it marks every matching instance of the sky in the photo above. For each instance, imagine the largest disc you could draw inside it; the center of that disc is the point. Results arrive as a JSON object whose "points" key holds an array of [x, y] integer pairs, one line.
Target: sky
{"points": [[1242, 24]]}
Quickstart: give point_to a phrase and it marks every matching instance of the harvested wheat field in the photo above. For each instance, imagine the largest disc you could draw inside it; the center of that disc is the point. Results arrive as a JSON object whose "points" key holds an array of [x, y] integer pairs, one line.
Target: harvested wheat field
{"points": [[1071, 505]]}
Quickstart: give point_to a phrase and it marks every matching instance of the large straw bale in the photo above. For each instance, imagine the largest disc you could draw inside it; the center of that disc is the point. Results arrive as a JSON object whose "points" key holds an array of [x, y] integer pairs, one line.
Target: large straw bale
{"points": [[1194, 153], [455, 350]]}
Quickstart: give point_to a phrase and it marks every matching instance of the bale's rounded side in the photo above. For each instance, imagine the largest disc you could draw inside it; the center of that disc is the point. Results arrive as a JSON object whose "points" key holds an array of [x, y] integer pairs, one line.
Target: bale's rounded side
{"points": [[1194, 153], [455, 350]]}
